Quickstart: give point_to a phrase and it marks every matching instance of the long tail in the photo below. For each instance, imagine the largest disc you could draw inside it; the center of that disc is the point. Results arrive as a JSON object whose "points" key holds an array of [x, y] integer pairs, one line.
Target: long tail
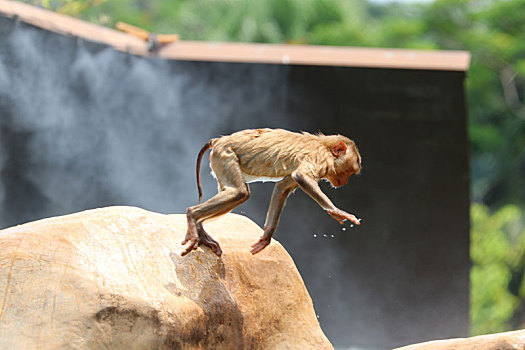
{"points": [[203, 150]]}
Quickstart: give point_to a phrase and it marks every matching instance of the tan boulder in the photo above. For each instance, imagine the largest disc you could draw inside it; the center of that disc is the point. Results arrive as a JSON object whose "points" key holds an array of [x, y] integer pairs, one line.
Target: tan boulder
{"points": [[113, 278], [500, 341]]}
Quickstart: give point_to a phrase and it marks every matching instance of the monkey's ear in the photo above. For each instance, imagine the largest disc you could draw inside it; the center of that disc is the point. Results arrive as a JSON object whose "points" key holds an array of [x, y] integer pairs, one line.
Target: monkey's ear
{"points": [[339, 149]]}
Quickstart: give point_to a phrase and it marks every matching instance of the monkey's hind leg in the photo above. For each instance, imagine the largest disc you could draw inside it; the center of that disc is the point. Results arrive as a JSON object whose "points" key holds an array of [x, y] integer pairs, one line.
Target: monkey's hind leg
{"points": [[233, 192], [222, 203]]}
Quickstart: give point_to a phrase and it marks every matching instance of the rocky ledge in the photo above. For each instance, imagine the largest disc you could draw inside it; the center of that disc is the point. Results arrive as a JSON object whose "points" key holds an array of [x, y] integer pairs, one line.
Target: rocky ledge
{"points": [[113, 278], [499, 341]]}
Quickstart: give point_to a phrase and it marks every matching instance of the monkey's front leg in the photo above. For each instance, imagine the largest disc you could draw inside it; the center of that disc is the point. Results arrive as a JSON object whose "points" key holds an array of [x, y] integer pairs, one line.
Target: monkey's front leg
{"points": [[281, 191], [310, 187]]}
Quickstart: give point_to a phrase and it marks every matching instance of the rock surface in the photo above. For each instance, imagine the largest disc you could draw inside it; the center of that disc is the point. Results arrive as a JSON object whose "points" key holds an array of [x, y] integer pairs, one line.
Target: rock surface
{"points": [[499, 341], [113, 278]]}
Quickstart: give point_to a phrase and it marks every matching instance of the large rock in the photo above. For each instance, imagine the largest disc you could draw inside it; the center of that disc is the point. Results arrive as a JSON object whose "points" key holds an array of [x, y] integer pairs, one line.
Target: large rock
{"points": [[500, 341], [113, 278]]}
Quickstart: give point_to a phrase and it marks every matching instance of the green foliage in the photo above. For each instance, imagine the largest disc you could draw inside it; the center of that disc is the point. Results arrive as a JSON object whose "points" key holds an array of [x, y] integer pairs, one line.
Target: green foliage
{"points": [[67, 7], [493, 31], [497, 252]]}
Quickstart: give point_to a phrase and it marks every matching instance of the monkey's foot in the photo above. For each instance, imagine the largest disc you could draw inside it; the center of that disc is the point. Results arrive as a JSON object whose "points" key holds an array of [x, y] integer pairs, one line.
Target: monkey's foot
{"points": [[260, 245], [202, 239], [205, 239]]}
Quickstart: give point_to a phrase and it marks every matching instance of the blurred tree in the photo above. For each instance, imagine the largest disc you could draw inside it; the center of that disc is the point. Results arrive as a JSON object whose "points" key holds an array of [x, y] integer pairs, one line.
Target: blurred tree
{"points": [[494, 32], [497, 283], [67, 7]]}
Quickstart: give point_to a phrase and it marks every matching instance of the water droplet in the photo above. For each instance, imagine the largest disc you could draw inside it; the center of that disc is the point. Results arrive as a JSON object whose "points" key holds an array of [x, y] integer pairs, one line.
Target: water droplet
{"points": [[315, 235], [325, 236], [333, 236], [343, 229], [352, 225], [317, 316]]}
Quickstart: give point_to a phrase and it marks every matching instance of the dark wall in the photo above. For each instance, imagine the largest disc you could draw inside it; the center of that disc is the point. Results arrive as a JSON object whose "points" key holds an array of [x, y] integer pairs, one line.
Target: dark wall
{"points": [[84, 126]]}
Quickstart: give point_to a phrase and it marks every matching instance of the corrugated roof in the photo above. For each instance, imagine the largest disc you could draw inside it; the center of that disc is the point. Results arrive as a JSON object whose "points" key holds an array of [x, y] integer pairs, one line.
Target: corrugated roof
{"points": [[241, 52]]}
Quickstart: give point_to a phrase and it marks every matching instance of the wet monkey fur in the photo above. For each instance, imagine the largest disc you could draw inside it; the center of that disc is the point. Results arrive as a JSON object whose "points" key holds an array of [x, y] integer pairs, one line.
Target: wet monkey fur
{"points": [[290, 159]]}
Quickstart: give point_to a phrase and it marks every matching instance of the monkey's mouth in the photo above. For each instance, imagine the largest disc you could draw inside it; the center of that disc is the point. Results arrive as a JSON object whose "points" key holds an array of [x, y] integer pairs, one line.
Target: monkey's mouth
{"points": [[344, 181], [338, 183]]}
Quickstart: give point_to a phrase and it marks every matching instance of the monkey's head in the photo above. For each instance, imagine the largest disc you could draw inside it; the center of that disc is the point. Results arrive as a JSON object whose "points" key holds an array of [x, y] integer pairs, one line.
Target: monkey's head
{"points": [[347, 161]]}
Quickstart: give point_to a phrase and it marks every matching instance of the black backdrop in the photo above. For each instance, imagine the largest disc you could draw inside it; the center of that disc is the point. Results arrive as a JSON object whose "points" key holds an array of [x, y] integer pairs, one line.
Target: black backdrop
{"points": [[84, 126]]}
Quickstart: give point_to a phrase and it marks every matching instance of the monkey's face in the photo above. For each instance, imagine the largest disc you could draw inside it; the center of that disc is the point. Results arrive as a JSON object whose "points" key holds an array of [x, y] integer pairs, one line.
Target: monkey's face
{"points": [[346, 165]]}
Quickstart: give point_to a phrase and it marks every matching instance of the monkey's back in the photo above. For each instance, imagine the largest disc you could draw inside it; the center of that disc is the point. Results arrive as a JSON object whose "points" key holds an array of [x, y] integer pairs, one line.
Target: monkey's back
{"points": [[268, 154]]}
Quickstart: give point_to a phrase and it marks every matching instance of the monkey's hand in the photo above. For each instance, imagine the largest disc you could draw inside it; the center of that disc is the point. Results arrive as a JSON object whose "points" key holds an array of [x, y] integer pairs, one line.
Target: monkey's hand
{"points": [[260, 245], [341, 216]]}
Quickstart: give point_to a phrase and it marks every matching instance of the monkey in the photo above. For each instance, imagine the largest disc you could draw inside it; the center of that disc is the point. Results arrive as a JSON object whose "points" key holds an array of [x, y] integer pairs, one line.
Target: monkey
{"points": [[288, 158]]}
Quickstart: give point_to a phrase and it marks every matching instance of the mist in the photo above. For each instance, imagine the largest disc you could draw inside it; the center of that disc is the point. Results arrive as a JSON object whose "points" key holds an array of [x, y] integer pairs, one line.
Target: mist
{"points": [[104, 127]]}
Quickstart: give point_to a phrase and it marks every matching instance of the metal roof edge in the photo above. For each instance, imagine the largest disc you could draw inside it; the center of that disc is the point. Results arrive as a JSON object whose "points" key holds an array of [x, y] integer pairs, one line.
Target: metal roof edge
{"points": [[318, 55]]}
